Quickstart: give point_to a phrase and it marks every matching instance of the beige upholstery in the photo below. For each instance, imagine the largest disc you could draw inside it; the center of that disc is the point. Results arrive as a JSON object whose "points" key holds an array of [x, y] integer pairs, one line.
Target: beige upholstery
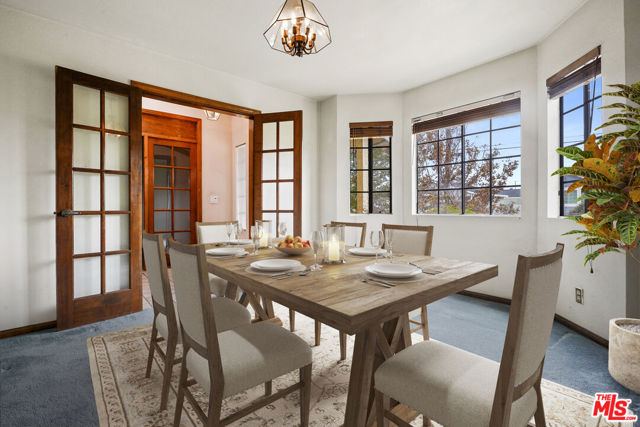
{"points": [[211, 233], [154, 270], [452, 387], [228, 314], [409, 241], [217, 285], [539, 309], [252, 355]]}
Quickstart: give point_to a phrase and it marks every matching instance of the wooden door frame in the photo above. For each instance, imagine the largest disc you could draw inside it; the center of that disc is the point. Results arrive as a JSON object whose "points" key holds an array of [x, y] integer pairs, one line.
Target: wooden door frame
{"points": [[148, 156], [182, 98]]}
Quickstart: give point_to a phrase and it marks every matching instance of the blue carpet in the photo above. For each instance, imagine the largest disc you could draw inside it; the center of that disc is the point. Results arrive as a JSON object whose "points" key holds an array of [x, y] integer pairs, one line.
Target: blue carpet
{"points": [[45, 378]]}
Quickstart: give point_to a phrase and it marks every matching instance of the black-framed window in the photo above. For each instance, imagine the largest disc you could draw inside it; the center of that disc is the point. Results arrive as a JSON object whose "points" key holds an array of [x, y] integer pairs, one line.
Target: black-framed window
{"points": [[471, 168], [370, 169], [579, 117]]}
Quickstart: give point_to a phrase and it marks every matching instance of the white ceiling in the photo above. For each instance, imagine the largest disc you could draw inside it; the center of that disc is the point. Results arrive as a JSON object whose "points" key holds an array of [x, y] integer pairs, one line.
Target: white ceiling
{"points": [[378, 45]]}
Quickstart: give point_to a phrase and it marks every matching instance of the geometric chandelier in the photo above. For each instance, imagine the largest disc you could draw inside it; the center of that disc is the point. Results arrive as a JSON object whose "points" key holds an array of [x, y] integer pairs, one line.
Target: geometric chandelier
{"points": [[298, 29]]}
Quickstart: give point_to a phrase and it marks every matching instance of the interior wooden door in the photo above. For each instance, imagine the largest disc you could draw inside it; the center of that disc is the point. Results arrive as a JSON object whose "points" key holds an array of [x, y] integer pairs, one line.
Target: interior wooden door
{"points": [[276, 166], [98, 198], [172, 180]]}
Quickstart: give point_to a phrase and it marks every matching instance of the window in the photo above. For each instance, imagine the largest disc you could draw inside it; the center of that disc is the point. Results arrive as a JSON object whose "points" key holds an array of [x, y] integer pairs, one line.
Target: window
{"points": [[370, 167], [469, 162], [579, 91]]}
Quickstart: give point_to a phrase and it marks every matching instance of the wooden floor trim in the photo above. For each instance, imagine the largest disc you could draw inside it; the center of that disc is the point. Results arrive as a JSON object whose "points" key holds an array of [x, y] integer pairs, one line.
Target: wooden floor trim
{"points": [[560, 319], [27, 329]]}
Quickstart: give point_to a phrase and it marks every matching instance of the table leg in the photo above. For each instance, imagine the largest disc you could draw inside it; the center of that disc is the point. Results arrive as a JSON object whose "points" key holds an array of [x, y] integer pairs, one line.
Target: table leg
{"points": [[372, 347]]}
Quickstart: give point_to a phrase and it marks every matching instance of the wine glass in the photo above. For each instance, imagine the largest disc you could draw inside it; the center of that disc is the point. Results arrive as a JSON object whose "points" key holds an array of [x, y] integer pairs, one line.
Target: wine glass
{"points": [[230, 227], [316, 241], [388, 238], [256, 235], [376, 238], [282, 229]]}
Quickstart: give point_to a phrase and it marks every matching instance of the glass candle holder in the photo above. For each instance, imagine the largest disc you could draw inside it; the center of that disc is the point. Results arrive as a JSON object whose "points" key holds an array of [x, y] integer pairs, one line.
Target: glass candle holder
{"points": [[333, 245], [265, 238]]}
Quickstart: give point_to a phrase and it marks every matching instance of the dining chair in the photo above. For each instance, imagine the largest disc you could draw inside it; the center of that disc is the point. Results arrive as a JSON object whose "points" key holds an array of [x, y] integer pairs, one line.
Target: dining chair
{"points": [[453, 387], [214, 232], [165, 318], [413, 239], [229, 362]]}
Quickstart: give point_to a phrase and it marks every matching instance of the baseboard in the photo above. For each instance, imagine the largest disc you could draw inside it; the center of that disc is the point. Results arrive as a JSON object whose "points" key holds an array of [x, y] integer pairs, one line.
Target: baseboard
{"points": [[26, 329], [562, 320]]}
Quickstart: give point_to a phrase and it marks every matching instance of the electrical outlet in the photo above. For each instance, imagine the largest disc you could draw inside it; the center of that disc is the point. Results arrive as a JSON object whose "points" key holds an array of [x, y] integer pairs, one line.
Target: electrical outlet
{"points": [[580, 295], [213, 199]]}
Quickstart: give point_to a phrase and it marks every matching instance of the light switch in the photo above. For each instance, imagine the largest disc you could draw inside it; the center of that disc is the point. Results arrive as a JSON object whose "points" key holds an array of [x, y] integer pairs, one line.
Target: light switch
{"points": [[213, 199]]}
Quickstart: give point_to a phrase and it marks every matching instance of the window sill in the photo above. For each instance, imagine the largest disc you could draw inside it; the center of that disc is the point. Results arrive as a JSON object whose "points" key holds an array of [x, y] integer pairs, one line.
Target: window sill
{"points": [[511, 217]]}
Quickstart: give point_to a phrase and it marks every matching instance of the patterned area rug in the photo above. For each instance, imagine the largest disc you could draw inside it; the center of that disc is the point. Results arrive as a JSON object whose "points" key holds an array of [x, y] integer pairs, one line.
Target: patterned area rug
{"points": [[125, 397]]}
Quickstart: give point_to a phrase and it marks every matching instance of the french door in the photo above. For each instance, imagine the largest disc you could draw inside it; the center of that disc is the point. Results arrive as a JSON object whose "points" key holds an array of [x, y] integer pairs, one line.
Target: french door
{"points": [[171, 189], [277, 169], [98, 198]]}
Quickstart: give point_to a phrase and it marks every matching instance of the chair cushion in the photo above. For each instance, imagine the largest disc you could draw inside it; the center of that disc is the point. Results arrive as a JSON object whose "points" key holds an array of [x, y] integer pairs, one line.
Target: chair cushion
{"points": [[252, 355], [228, 314], [448, 385], [218, 285]]}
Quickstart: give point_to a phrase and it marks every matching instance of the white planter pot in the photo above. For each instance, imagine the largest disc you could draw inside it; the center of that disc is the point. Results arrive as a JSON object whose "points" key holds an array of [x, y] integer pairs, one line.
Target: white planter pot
{"points": [[624, 353]]}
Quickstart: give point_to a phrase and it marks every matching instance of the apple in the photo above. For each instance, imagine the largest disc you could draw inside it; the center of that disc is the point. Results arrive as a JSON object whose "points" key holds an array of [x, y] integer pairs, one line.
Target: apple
{"points": [[289, 245]]}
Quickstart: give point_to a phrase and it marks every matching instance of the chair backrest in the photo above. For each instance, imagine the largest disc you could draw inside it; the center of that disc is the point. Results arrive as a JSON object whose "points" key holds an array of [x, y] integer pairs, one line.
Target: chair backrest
{"points": [[193, 298], [212, 232], [156, 262], [411, 239], [533, 306], [357, 227]]}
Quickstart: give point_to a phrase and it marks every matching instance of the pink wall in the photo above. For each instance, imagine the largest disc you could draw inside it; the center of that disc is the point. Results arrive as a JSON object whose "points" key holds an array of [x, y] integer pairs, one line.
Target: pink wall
{"points": [[218, 141]]}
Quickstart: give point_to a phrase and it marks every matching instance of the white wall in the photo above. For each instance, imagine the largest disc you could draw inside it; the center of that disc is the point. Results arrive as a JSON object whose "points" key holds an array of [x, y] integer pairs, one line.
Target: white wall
{"points": [[599, 22], [30, 47], [336, 113], [491, 239]]}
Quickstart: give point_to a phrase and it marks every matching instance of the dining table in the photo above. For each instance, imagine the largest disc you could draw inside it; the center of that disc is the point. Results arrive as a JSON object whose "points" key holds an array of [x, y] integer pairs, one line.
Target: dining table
{"points": [[343, 297]]}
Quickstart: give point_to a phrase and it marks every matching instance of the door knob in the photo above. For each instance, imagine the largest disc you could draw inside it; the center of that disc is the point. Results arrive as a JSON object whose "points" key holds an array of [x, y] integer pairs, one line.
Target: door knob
{"points": [[66, 213]]}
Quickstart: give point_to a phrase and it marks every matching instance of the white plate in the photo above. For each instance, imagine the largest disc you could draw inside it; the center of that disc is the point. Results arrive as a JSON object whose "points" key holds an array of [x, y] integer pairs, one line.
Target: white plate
{"points": [[242, 242], [225, 251], [367, 251], [393, 271], [275, 264]]}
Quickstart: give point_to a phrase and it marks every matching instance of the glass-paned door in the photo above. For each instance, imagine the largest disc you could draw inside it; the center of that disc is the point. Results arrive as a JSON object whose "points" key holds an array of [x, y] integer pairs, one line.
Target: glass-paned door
{"points": [[277, 169], [97, 198], [172, 189]]}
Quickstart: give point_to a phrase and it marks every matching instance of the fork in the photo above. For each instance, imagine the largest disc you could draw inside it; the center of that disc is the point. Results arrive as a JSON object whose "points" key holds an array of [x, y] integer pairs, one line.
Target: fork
{"points": [[377, 282]]}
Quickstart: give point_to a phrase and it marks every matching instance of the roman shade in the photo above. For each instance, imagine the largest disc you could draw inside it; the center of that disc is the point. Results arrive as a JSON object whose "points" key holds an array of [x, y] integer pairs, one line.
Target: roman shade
{"points": [[485, 112], [579, 72], [371, 129]]}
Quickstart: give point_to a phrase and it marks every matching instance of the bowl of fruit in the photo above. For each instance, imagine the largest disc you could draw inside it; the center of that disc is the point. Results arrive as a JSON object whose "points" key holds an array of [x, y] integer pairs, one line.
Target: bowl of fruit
{"points": [[293, 245]]}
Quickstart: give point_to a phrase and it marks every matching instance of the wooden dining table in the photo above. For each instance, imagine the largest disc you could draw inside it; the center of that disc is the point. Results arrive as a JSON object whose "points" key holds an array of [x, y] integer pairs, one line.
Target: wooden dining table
{"points": [[337, 296]]}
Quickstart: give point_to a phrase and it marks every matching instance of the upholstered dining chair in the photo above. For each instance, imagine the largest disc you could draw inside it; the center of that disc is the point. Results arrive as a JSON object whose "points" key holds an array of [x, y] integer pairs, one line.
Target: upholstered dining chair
{"points": [[229, 362], [165, 318], [453, 387], [417, 240], [214, 232]]}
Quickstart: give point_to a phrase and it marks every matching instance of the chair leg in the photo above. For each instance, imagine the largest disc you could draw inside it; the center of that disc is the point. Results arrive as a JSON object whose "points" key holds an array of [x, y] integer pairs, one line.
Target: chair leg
{"points": [[539, 415], [318, 332], [154, 336], [268, 388], [343, 346], [182, 383], [292, 320], [424, 319], [382, 405], [215, 409], [305, 395], [168, 369]]}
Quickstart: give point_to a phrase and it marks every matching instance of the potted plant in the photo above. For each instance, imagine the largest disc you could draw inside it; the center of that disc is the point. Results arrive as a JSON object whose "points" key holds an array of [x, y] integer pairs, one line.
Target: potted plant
{"points": [[610, 171]]}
